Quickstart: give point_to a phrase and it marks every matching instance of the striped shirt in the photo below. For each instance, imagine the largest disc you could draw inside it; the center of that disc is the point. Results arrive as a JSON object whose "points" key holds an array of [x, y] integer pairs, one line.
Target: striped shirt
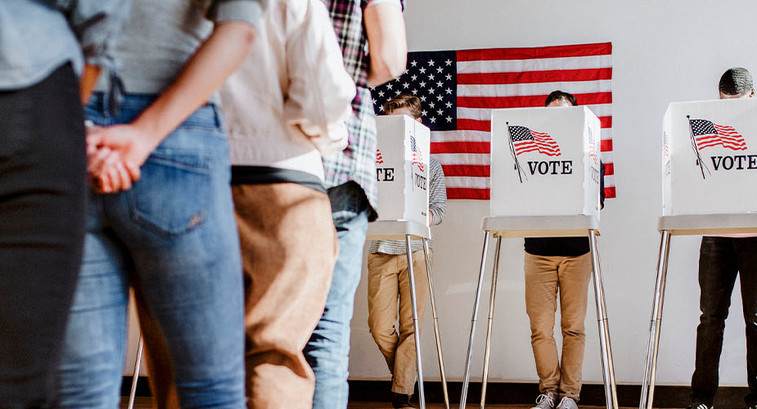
{"points": [[437, 207]]}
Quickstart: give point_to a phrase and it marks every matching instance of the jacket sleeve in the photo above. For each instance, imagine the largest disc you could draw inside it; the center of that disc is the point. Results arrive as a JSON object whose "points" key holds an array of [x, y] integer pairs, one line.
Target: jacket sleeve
{"points": [[320, 89], [96, 24]]}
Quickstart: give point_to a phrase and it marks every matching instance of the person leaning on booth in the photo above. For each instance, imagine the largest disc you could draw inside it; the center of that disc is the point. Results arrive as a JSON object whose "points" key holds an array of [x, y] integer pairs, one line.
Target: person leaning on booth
{"points": [[562, 263], [388, 279], [720, 260]]}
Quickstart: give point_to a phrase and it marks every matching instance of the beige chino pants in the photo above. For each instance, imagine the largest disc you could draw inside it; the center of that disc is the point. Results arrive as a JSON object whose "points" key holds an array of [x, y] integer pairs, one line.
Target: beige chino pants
{"points": [[546, 277], [388, 301]]}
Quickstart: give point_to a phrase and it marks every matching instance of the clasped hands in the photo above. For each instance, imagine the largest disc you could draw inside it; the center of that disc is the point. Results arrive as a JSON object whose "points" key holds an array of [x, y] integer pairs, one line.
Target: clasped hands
{"points": [[115, 155]]}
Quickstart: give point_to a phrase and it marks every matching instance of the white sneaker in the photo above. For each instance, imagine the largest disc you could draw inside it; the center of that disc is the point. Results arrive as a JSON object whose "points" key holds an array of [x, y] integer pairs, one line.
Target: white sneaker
{"points": [[545, 401], [567, 403]]}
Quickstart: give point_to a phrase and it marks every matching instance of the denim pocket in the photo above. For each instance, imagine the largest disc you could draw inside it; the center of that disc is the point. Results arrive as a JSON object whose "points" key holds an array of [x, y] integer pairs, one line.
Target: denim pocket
{"points": [[172, 195]]}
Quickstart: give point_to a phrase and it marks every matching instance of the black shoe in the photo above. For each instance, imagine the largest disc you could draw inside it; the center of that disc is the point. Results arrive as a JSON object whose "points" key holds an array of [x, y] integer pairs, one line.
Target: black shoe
{"points": [[400, 401], [700, 405]]}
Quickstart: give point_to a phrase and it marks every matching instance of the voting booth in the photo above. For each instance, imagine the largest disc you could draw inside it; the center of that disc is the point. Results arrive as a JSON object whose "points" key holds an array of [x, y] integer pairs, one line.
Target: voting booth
{"points": [[402, 172], [402, 162], [545, 161], [545, 178], [709, 158], [709, 165]]}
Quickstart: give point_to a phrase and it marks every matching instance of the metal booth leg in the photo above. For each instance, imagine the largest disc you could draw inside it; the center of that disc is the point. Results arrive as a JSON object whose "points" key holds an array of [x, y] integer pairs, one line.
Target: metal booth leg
{"points": [[135, 377], [466, 378], [608, 370], [487, 347], [647, 386], [437, 337], [416, 326]]}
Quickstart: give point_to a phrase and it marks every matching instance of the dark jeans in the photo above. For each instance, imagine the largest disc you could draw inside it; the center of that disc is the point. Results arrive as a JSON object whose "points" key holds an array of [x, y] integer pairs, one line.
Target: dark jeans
{"points": [[720, 260], [42, 199]]}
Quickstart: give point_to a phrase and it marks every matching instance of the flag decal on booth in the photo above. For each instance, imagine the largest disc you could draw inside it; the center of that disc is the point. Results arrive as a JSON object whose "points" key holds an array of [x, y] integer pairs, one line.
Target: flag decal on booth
{"points": [[706, 134], [526, 140], [417, 154]]}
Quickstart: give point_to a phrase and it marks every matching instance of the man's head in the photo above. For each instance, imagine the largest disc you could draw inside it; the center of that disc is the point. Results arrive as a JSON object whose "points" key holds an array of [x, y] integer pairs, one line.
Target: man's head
{"points": [[736, 82], [560, 99], [404, 104]]}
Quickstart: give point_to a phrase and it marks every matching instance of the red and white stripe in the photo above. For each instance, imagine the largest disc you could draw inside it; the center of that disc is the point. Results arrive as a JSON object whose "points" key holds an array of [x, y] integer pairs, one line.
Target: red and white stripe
{"points": [[512, 78], [726, 137]]}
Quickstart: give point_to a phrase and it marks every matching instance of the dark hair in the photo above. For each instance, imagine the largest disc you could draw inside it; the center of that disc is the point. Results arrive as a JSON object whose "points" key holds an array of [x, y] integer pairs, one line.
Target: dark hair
{"points": [[736, 81], [408, 101], [560, 95]]}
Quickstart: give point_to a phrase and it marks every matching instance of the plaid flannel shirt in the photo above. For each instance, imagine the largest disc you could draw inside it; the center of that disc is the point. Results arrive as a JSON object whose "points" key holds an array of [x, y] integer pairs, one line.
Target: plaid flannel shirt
{"points": [[357, 162]]}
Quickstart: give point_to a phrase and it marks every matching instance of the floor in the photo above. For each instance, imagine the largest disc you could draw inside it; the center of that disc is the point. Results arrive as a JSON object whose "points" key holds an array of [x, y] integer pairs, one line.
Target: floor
{"points": [[145, 403]]}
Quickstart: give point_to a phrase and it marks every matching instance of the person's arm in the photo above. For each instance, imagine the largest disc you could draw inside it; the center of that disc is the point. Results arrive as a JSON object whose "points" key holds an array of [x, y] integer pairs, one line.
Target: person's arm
{"points": [[437, 193], [205, 72], [320, 89], [88, 81], [387, 44]]}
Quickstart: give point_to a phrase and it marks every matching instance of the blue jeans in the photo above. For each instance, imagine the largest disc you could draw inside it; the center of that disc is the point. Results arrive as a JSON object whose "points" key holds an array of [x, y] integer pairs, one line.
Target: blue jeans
{"points": [[173, 238], [328, 349]]}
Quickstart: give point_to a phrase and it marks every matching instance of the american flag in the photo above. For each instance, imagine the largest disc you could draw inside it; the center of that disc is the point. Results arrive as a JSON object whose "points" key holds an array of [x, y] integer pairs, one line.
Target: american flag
{"points": [[707, 133], [526, 140], [379, 158], [417, 154], [458, 90]]}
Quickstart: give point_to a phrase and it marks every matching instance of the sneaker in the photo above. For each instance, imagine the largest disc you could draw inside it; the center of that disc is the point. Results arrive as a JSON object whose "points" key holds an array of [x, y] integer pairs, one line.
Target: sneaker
{"points": [[567, 403], [545, 401], [400, 401], [699, 405]]}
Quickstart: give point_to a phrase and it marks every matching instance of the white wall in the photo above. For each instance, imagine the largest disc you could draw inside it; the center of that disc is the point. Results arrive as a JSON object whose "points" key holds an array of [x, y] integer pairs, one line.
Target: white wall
{"points": [[663, 51]]}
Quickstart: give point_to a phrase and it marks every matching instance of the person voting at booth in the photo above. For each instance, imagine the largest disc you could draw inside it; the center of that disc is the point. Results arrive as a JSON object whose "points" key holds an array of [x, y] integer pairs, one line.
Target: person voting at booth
{"points": [[388, 279], [564, 264], [721, 258]]}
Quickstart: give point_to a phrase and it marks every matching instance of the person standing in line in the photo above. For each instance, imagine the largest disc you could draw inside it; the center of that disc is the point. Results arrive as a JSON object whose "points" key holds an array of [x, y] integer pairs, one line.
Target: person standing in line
{"points": [[371, 34], [161, 218], [388, 278], [284, 108], [558, 265], [721, 259], [50, 54]]}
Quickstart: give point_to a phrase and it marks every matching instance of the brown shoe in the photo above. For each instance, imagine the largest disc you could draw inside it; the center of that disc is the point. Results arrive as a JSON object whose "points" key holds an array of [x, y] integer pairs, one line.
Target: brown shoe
{"points": [[400, 401]]}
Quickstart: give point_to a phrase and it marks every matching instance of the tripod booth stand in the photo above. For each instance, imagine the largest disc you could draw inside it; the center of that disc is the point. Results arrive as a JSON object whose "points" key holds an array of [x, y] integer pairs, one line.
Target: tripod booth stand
{"points": [[396, 230], [681, 226], [539, 226]]}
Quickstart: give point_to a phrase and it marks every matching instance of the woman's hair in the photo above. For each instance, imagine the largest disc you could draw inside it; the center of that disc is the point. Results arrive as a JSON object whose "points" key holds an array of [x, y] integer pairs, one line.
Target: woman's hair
{"points": [[561, 95]]}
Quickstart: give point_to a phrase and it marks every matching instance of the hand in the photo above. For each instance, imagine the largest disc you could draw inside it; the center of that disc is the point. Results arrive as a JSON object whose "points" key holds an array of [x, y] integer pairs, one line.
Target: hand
{"points": [[114, 156]]}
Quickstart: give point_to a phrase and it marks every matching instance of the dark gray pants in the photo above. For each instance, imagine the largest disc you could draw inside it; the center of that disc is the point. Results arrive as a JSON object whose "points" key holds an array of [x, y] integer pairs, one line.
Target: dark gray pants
{"points": [[721, 259], [42, 199]]}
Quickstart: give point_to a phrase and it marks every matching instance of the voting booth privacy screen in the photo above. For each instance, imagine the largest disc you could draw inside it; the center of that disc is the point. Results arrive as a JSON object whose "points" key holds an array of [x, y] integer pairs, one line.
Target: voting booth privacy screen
{"points": [[545, 162], [402, 162], [709, 157]]}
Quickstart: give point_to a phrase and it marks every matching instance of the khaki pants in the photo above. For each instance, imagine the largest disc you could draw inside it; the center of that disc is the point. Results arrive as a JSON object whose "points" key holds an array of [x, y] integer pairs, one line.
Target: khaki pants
{"points": [[289, 247], [388, 286], [544, 277]]}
